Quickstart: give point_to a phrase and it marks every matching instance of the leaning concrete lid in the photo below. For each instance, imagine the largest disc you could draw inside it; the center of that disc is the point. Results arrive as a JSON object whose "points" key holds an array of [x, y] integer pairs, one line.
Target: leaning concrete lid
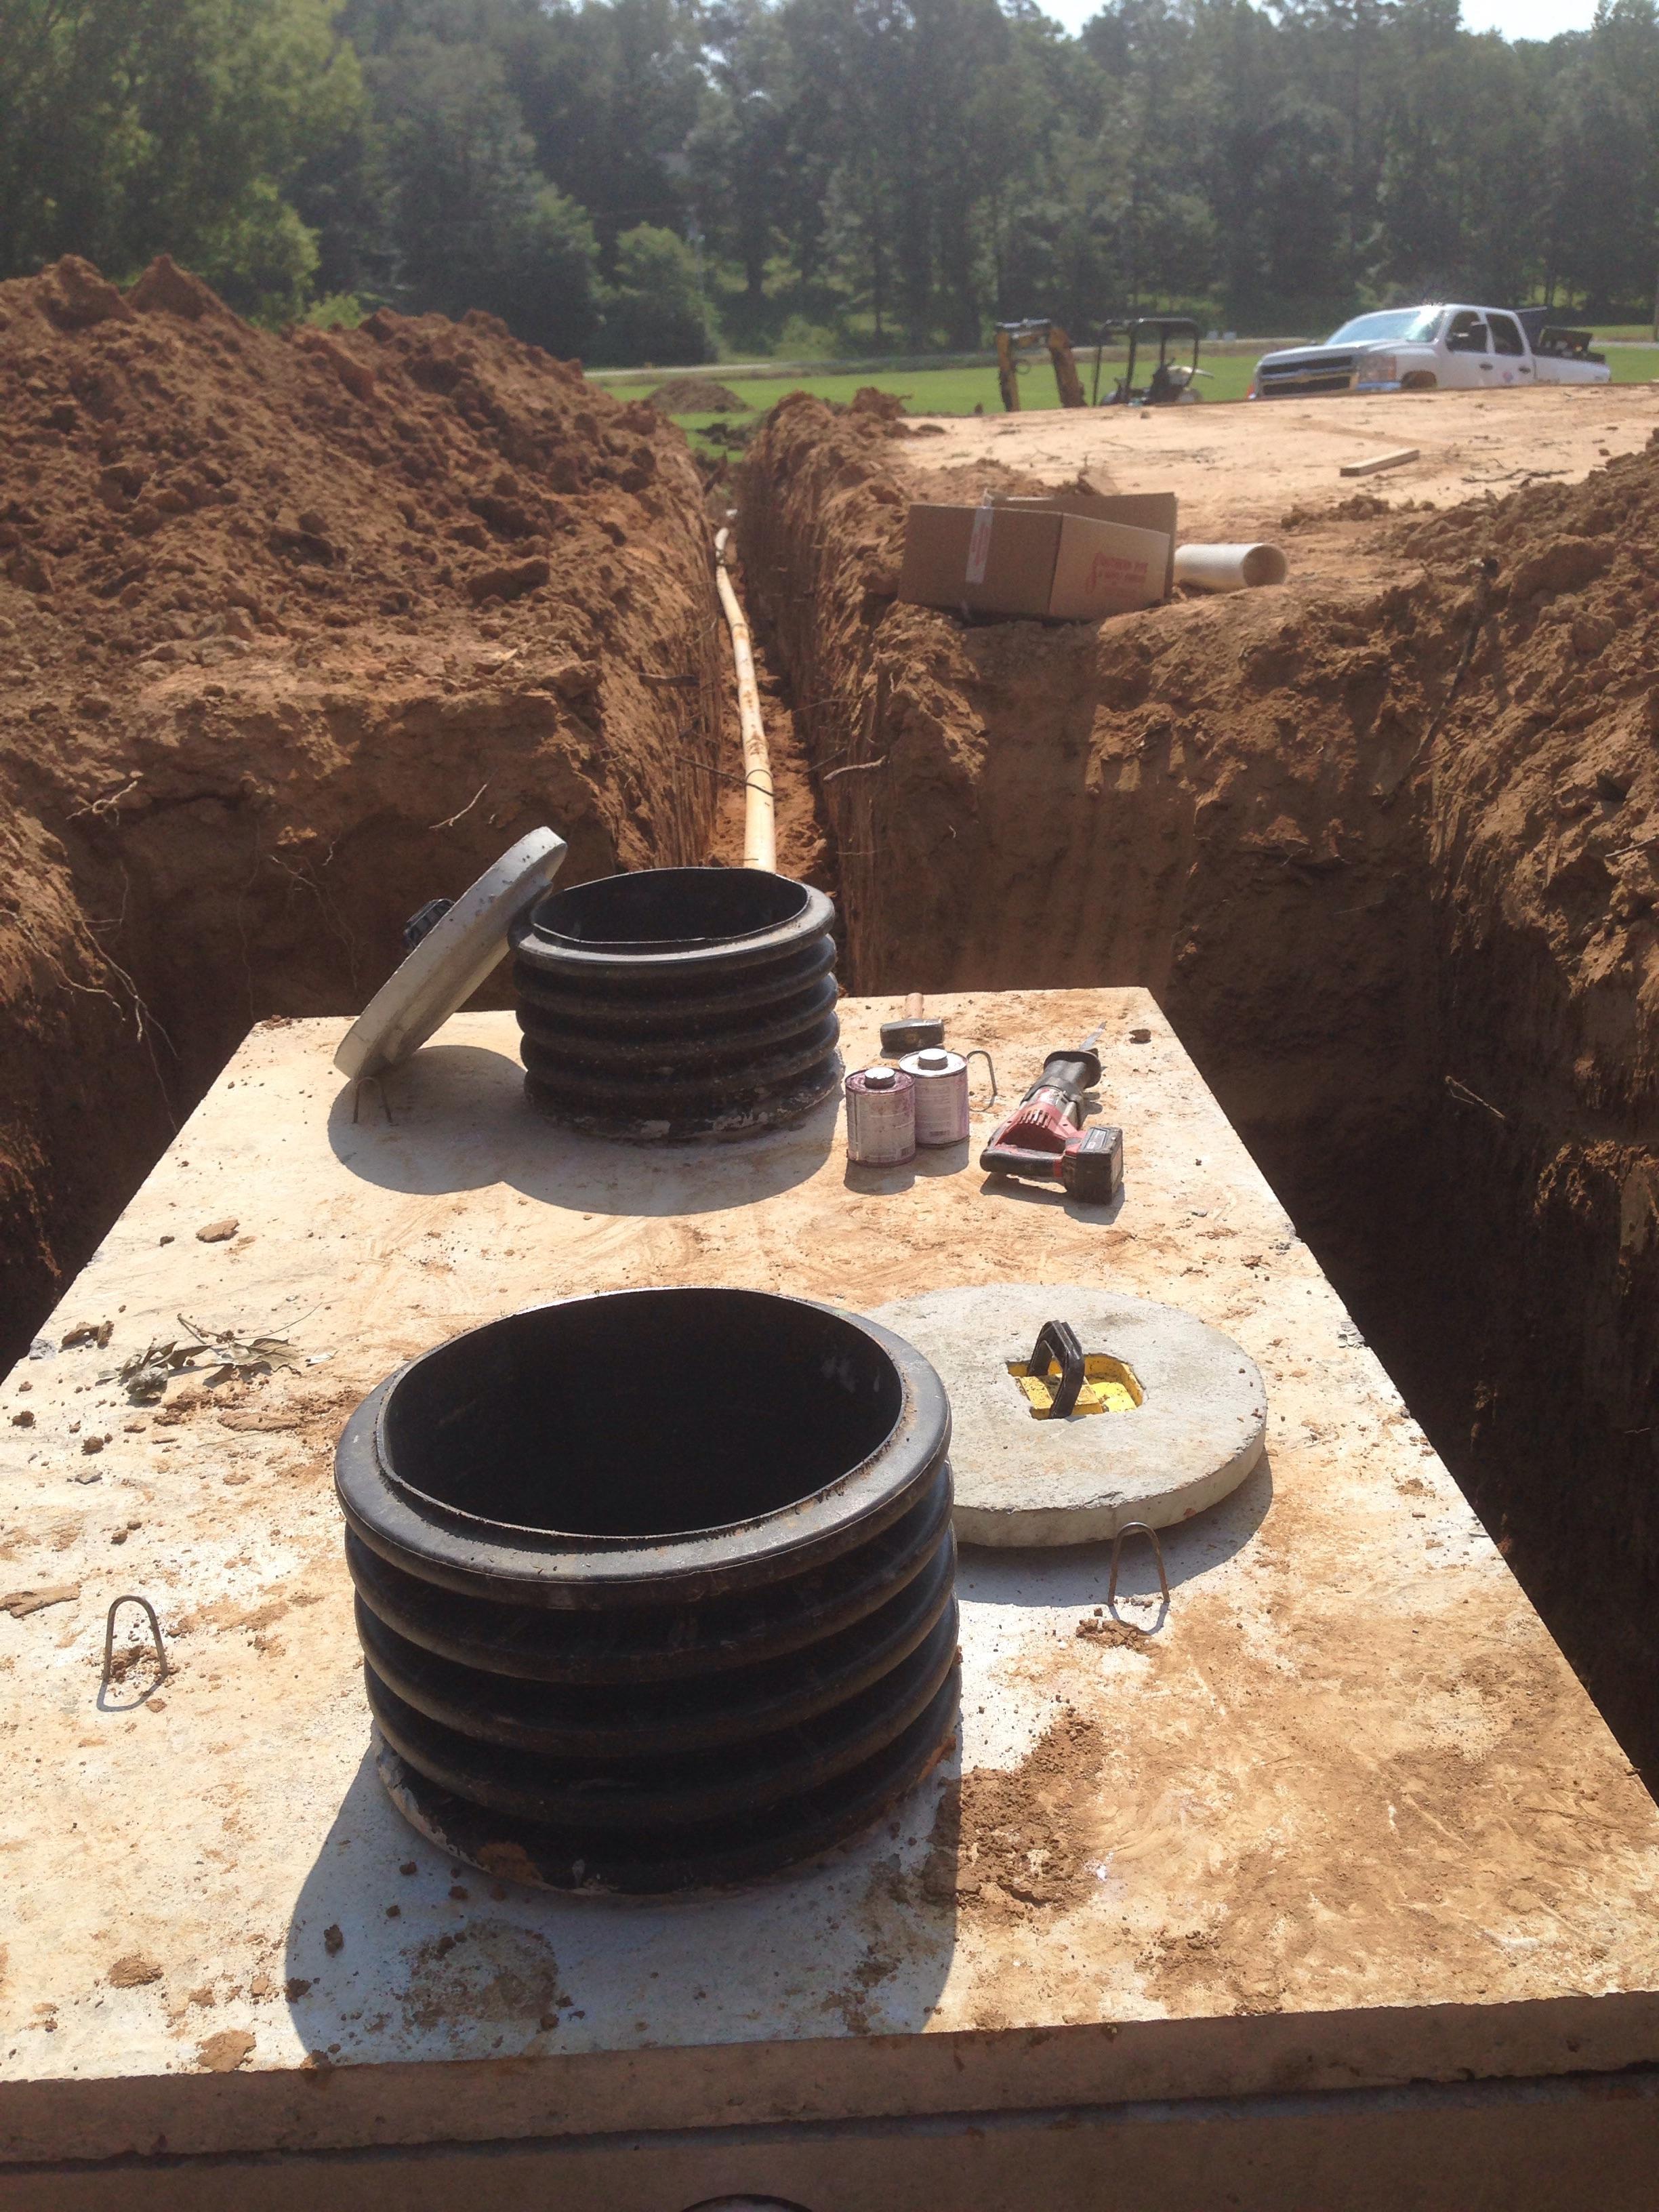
{"points": [[1196, 1435], [450, 962]]}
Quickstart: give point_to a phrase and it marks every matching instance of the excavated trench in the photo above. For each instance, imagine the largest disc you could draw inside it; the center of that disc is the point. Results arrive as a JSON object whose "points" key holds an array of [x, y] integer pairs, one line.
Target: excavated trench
{"points": [[1405, 927], [299, 634]]}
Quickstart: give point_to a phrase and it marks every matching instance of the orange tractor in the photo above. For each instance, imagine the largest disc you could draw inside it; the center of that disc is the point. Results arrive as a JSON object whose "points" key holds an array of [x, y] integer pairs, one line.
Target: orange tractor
{"points": [[1170, 382]]}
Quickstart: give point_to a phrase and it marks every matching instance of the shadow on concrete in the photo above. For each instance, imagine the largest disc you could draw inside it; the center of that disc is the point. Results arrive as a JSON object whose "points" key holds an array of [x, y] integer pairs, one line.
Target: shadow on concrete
{"points": [[859, 1942], [929, 1163], [456, 1118], [1052, 1195], [110, 1699], [1074, 1576]]}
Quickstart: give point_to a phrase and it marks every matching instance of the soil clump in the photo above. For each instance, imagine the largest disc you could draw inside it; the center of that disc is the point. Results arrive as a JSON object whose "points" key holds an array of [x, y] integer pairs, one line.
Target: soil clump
{"points": [[302, 631], [698, 395], [1387, 853]]}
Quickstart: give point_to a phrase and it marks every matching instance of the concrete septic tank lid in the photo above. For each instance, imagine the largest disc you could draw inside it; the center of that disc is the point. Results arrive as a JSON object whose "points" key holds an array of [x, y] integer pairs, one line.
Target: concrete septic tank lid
{"points": [[446, 967], [1195, 1435]]}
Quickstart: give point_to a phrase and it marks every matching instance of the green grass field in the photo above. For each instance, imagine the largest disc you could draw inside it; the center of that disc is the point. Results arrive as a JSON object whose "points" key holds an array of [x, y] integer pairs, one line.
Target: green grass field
{"points": [[946, 390], [960, 390]]}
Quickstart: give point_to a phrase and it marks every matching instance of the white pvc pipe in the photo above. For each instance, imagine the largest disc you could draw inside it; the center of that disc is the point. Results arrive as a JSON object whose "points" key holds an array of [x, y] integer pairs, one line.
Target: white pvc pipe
{"points": [[1229, 567], [760, 836]]}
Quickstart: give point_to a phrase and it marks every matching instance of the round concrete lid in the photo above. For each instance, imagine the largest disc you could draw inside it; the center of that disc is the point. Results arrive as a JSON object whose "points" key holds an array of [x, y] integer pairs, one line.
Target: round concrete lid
{"points": [[450, 962], [1020, 1480]]}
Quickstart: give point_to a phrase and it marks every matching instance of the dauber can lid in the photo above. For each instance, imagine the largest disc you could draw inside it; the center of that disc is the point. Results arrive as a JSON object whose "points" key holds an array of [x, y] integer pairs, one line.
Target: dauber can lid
{"points": [[932, 1061]]}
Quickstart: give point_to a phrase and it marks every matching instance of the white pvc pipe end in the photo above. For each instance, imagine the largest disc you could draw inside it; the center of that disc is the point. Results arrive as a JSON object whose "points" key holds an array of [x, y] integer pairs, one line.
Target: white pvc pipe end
{"points": [[1229, 567]]}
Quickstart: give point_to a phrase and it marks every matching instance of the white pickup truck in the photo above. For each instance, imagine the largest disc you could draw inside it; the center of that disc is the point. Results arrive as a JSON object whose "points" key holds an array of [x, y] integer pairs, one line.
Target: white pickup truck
{"points": [[1433, 348]]}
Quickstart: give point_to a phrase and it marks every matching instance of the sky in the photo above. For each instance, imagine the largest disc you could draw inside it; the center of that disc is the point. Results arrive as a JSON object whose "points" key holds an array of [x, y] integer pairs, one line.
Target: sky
{"points": [[1516, 19], [1529, 19]]}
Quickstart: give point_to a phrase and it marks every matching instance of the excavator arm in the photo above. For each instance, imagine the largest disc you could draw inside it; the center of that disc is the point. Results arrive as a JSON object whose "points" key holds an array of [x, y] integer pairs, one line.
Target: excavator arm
{"points": [[1066, 376], [1014, 339]]}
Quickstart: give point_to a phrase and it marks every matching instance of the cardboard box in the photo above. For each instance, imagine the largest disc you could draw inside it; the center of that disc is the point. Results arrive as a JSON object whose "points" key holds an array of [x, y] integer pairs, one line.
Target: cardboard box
{"points": [[1072, 556], [1135, 510]]}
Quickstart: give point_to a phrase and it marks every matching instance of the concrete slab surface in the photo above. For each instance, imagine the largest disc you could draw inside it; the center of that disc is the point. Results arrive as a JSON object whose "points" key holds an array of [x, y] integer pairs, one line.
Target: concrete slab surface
{"points": [[1340, 1819]]}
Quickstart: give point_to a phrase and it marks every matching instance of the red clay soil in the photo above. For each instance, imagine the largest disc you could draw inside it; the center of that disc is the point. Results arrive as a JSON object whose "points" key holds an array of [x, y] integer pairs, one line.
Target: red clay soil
{"points": [[299, 632], [1403, 918]]}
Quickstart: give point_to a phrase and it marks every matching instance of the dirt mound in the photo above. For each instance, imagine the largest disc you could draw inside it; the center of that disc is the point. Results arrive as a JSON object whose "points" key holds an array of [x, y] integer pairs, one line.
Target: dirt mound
{"points": [[1390, 857], [299, 632], [168, 452], [698, 395], [879, 406]]}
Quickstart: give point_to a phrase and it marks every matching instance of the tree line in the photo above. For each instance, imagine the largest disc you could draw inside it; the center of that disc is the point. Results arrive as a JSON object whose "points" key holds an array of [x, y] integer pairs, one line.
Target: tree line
{"points": [[644, 180]]}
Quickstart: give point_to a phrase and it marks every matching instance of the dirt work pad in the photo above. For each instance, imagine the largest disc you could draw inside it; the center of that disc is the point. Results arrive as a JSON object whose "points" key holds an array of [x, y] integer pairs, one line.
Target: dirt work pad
{"points": [[1239, 469], [1337, 1820]]}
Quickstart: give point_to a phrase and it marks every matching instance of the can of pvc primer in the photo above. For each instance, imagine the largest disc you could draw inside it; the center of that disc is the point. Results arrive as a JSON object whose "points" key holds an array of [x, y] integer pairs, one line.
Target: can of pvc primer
{"points": [[941, 1081], [881, 1117]]}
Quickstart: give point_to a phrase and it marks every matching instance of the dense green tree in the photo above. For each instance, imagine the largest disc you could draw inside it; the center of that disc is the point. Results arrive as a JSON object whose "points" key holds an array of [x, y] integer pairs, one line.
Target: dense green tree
{"points": [[739, 153], [1601, 143], [656, 311], [900, 172], [469, 219], [128, 127], [1152, 214], [611, 93]]}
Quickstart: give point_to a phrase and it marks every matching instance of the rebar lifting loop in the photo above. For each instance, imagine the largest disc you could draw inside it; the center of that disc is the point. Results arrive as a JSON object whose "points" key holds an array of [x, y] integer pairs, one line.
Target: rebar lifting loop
{"points": [[979, 1052], [1136, 1529], [131, 1598]]}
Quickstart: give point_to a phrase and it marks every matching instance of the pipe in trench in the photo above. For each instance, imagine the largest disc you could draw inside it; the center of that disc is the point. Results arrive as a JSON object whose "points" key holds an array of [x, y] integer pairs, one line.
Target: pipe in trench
{"points": [[760, 839]]}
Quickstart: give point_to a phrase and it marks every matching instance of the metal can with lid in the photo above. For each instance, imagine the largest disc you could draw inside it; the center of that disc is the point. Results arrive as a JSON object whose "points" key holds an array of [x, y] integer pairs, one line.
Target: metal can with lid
{"points": [[881, 1117], [941, 1081]]}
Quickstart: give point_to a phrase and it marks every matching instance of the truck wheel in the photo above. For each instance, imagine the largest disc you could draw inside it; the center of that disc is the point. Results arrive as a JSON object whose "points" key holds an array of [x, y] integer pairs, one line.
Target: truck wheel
{"points": [[1420, 379]]}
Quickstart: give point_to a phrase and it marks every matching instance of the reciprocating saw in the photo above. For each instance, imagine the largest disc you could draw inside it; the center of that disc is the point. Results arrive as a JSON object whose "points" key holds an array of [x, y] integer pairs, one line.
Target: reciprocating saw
{"points": [[1044, 1138]]}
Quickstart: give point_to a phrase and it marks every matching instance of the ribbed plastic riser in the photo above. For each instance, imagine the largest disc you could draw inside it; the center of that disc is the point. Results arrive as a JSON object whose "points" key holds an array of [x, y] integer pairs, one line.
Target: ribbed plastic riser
{"points": [[664, 1580]]}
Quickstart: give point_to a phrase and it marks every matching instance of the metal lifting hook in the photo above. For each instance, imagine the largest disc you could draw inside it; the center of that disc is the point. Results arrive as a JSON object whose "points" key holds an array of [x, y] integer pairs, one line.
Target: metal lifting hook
{"points": [[131, 1598]]}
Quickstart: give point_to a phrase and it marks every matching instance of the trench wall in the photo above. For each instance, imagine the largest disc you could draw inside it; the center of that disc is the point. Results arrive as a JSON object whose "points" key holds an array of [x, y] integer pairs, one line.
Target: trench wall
{"points": [[299, 635], [1422, 983]]}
